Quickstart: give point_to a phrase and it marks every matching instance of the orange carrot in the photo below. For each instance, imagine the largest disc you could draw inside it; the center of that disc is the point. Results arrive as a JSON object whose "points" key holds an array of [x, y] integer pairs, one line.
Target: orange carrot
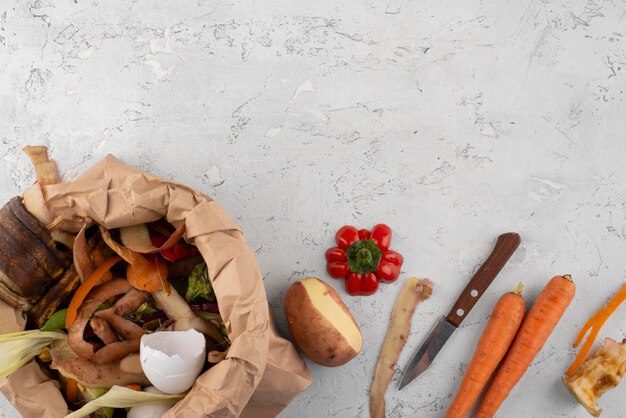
{"points": [[595, 324], [505, 320], [71, 390], [133, 386], [83, 290], [532, 335]]}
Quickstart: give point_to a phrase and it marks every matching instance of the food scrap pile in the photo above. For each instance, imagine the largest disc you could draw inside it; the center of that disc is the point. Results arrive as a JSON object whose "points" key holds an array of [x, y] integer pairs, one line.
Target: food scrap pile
{"points": [[91, 297]]}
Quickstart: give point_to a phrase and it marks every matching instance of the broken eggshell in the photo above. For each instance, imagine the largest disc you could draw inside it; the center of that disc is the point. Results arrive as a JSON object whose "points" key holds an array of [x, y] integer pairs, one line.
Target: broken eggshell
{"points": [[149, 411], [172, 360]]}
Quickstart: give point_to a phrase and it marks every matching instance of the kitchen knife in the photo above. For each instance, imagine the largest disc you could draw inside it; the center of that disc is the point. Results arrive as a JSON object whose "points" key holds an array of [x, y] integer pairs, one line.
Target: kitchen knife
{"points": [[503, 250]]}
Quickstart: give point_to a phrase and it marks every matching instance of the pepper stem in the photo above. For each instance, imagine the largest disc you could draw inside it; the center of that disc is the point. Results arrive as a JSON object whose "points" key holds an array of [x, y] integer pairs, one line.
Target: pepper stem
{"points": [[363, 256]]}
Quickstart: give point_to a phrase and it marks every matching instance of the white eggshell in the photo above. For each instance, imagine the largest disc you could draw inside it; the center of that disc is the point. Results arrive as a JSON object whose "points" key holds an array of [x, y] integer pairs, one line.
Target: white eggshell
{"points": [[172, 360], [149, 411]]}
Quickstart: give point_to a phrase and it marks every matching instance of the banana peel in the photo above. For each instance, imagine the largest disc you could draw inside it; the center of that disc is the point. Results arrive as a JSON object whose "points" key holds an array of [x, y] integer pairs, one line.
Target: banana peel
{"points": [[30, 262]]}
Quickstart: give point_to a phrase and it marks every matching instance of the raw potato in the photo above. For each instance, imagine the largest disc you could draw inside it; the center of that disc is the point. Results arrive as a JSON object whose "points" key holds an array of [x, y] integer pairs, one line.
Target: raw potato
{"points": [[321, 324]]}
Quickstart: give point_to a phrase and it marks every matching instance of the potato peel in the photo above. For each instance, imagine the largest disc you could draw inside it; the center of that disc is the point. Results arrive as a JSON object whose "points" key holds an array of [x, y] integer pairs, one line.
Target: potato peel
{"points": [[413, 292], [149, 274]]}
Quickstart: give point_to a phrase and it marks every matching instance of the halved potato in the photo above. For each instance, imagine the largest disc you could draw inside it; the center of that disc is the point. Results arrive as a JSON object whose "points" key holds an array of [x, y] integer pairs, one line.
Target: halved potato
{"points": [[321, 324]]}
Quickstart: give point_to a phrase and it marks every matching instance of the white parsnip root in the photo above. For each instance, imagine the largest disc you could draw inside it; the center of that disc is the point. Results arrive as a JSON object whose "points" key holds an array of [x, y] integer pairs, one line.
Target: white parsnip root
{"points": [[413, 292]]}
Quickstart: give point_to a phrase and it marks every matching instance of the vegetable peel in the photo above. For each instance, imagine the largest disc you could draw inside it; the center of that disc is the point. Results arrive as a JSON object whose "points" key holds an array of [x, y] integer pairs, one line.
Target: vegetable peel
{"points": [[143, 273], [85, 287], [413, 292], [593, 326]]}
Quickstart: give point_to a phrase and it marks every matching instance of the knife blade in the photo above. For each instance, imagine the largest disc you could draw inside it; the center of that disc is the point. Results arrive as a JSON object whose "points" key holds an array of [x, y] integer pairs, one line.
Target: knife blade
{"points": [[503, 250]]}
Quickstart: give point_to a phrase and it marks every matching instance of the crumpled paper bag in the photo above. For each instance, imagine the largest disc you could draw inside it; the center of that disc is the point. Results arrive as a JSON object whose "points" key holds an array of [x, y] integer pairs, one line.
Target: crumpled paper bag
{"points": [[262, 371]]}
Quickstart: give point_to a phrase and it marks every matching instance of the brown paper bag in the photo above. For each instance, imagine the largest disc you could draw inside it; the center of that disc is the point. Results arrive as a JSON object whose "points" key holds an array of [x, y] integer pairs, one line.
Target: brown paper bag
{"points": [[262, 371]]}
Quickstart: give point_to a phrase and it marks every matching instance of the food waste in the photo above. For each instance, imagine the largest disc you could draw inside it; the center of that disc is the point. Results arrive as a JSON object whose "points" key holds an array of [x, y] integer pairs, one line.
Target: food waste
{"points": [[597, 374], [92, 298], [412, 294]]}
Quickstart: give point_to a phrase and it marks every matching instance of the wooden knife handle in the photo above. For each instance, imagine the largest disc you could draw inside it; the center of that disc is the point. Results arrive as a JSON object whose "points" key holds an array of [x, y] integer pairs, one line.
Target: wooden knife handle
{"points": [[504, 249]]}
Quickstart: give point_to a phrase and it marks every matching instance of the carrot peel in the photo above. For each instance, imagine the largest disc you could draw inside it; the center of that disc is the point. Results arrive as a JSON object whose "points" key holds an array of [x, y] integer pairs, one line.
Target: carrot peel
{"points": [[83, 290], [594, 324], [71, 390]]}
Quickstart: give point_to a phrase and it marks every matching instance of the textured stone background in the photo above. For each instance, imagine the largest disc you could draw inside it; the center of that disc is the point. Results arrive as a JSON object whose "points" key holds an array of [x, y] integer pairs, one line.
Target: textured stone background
{"points": [[450, 121]]}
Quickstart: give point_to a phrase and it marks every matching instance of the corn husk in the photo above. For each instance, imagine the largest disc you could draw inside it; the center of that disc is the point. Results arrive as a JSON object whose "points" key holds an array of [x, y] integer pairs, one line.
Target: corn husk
{"points": [[121, 397], [18, 348]]}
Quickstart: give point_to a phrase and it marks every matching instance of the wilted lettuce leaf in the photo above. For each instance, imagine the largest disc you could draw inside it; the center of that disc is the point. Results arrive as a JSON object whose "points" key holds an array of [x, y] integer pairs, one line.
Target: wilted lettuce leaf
{"points": [[199, 285]]}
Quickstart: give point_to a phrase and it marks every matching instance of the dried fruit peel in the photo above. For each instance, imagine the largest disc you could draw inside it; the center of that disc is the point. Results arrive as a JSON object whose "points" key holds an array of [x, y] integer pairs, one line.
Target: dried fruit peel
{"points": [[413, 292], [598, 373]]}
